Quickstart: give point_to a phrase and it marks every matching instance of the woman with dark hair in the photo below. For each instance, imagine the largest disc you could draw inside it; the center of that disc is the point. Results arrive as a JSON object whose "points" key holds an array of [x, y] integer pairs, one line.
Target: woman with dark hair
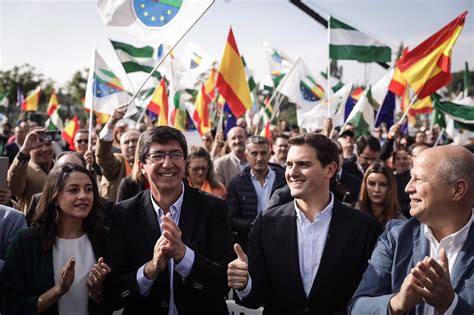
{"points": [[402, 166], [378, 194], [200, 173], [56, 266]]}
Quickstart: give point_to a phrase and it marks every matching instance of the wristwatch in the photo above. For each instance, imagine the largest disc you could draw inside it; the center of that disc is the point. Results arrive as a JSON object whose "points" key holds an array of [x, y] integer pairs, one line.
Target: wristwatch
{"points": [[23, 158]]}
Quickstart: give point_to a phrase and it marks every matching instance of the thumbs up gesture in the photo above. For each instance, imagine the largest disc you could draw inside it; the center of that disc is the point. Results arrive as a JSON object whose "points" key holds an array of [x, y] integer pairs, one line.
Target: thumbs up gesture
{"points": [[237, 270]]}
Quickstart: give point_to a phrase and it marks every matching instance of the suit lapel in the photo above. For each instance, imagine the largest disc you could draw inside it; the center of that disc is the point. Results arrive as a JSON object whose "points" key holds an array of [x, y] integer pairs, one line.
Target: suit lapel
{"points": [[147, 217], [287, 240], [189, 214], [465, 261], [421, 248], [339, 232]]}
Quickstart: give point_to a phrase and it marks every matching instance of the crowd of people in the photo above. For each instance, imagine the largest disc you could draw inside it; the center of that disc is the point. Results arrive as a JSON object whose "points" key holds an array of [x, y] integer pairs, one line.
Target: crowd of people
{"points": [[304, 222]]}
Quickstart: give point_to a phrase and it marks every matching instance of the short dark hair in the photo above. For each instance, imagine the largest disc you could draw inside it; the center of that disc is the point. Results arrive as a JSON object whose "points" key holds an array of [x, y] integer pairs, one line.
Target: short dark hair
{"points": [[280, 135], [161, 135], [257, 140], [367, 141], [326, 150]]}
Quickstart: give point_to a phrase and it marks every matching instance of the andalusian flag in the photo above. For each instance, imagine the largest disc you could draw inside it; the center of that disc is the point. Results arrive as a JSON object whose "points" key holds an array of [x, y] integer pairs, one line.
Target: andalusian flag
{"points": [[152, 21], [278, 62], [462, 114], [70, 131], [362, 115], [178, 116], [428, 66], [202, 111], [53, 104], [136, 59], [159, 103], [3, 102], [54, 121], [347, 42], [30, 104], [231, 80]]}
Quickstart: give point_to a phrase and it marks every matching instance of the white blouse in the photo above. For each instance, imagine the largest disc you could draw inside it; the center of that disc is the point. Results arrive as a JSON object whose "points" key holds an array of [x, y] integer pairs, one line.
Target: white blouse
{"points": [[76, 300]]}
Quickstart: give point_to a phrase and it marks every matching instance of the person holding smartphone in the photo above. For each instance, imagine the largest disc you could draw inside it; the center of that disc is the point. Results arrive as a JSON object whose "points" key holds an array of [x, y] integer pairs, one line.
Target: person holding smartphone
{"points": [[29, 170]]}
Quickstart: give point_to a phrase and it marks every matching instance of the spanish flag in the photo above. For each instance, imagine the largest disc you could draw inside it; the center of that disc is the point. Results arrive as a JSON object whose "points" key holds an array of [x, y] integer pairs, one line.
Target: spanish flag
{"points": [[30, 104], [201, 111], [69, 132], [428, 66], [53, 104], [231, 80], [210, 84], [398, 85], [159, 103]]}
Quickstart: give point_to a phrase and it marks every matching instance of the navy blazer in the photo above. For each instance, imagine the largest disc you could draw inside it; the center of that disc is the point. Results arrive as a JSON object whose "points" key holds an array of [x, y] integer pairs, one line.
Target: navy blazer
{"points": [[133, 233], [402, 245], [274, 261]]}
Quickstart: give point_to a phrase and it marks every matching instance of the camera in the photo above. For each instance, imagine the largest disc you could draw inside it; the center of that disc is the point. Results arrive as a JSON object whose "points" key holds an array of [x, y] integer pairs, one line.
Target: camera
{"points": [[50, 135]]}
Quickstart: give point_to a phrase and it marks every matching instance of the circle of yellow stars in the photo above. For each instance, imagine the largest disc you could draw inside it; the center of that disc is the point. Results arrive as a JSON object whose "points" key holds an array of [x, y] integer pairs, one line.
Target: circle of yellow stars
{"points": [[153, 18]]}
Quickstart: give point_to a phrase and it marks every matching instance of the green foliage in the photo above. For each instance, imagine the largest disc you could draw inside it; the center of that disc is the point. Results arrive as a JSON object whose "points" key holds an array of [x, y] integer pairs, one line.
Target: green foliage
{"points": [[457, 83]]}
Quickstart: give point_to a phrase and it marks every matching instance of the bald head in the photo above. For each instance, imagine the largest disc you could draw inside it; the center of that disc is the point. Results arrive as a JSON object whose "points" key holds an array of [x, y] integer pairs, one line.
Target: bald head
{"points": [[128, 144], [236, 138], [453, 162]]}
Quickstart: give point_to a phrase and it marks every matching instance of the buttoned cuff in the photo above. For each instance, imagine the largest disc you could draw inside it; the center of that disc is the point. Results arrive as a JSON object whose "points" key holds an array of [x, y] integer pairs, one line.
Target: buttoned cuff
{"points": [[144, 284], [242, 294], [186, 264], [106, 134]]}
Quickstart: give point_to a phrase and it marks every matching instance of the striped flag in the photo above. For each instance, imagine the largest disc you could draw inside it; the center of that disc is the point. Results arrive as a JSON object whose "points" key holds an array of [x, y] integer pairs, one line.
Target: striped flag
{"points": [[3, 102], [136, 59], [461, 114], [202, 112], [362, 115], [278, 62], [159, 103], [349, 43], [427, 67], [54, 121], [231, 81], [53, 104], [30, 104], [70, 131]]}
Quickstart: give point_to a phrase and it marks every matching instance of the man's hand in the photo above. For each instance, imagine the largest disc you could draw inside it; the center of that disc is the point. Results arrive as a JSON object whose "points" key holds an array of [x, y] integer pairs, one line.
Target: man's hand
{"points": [[159, 261], [175, 247], [66, 277], [327, 127], [436, 281], [32, 141], [89, 157], [408, 296], [118, 114], [393, 131], [238, 270]]}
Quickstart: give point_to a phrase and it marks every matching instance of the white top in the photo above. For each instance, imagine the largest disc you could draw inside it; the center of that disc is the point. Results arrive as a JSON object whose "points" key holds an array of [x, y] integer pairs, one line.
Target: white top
{"points": [[76, 300]]}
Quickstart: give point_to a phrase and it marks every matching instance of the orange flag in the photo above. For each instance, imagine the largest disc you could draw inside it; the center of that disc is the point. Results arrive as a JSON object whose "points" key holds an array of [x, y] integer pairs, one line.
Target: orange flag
{"points": [[30, 104], [69, 132], [159, 103], [53, 104]]}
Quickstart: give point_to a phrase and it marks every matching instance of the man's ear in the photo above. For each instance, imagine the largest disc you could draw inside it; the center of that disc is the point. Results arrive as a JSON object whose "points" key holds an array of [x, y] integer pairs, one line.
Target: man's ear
{"points": [[331, 169], [459, 190], [142, 168]]}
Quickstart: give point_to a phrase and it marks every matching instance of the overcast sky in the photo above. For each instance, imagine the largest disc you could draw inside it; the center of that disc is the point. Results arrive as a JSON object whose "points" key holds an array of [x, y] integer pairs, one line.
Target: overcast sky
{"points": [[57, 36]]}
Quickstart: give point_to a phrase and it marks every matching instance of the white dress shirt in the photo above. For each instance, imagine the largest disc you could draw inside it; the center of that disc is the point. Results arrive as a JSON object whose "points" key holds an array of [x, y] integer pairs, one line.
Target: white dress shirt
{"points": [[263, 192]]}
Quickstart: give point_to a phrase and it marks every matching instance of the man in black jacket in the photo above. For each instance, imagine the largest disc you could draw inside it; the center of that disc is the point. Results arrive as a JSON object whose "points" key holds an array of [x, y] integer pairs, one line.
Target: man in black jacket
{"points": [[250, 191]]}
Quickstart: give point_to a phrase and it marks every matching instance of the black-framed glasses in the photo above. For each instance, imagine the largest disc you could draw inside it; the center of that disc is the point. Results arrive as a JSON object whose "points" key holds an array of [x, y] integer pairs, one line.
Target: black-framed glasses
{"points": [[157, 157]]}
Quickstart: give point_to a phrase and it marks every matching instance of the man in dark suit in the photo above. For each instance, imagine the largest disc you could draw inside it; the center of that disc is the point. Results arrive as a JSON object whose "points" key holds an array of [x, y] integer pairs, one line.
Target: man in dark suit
{"points": [[425, 265], [308, 255], [170, 244]]}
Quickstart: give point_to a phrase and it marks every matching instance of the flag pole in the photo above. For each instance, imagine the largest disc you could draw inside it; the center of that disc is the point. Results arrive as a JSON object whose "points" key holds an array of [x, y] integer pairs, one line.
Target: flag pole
{"points": [[439, 137], [166, 55], [328, 93], [408, 108], [282, 82]]}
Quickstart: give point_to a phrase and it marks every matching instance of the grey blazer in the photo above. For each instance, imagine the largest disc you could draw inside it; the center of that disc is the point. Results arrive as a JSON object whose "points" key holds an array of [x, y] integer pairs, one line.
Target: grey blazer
{"points": [[11, 221], [399, 248], [226, 167]]}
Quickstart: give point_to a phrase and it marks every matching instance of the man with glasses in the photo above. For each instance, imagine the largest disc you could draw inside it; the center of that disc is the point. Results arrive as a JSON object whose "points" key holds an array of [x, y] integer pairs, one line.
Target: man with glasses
{"points": [[368, 149], [250, 191], [170, 244], [81, 145], [115, 166]]}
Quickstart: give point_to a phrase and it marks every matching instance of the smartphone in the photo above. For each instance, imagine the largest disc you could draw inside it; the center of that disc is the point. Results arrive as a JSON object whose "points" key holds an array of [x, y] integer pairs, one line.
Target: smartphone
{"points": [[50, 135], [3, 171]]}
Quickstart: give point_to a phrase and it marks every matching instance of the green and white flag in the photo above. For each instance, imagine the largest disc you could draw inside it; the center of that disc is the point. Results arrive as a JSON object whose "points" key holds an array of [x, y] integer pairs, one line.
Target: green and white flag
{"points": [[362, 115], [136, 59], [55, 122], [278, 62], [249, 75], [3, 102], [461, 113], [349, 43]]}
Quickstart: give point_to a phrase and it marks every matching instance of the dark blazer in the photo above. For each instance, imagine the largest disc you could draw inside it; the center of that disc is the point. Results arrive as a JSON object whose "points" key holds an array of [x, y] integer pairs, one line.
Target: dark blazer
{"points": [[133, 234], [242, 201], [351, 185], [398, 250], [107, 205], [28, 273], [274, 262], [129, 188]]}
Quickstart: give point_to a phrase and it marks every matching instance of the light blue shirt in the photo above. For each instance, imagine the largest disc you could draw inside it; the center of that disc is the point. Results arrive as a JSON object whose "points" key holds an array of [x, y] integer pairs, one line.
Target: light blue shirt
{"points": [[311, 240], [183, 268], [263, 192]]}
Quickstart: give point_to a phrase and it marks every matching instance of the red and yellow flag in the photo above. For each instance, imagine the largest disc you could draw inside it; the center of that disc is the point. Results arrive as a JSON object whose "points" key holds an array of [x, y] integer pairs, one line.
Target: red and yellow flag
{"points": [[69, 132], [30, 104], [231, 80], [201, 111], [210, 84], [53, 104], [159, 103], [398, 85], [428, 66]]}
